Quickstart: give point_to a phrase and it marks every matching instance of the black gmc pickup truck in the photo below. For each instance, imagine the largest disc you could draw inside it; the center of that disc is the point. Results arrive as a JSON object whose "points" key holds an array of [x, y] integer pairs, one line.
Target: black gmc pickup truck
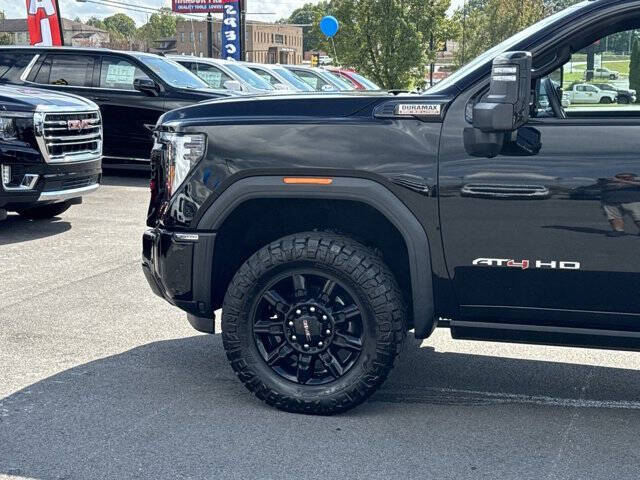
{"points": [[50, 151], [326, 227]]}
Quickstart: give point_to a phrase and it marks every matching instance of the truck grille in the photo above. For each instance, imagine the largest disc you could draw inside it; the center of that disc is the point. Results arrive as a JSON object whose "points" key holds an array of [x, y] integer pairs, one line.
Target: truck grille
{"points": [[69, 137]]}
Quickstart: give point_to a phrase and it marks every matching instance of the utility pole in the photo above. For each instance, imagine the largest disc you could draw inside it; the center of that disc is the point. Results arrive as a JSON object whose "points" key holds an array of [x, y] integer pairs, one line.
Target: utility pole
{"points": [[432, 66], [243, 29], [209, 35]]}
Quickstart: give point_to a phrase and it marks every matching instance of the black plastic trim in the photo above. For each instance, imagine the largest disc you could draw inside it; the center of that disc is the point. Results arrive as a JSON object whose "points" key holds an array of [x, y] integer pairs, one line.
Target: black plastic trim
{"points": [[342, 188]]}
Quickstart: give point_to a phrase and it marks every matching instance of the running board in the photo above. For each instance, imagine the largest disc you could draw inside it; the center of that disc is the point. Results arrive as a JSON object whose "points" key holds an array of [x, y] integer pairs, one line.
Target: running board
{"points": [[545, 335]]}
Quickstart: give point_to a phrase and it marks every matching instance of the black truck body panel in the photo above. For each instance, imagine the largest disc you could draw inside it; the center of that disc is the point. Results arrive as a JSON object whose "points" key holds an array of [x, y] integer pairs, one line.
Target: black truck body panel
{"points": [[534, 264]]}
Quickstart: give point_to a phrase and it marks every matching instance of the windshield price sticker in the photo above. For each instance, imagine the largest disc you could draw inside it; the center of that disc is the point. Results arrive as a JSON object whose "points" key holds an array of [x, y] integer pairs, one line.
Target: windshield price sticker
{"points": [[419, 109], [120, 74]]}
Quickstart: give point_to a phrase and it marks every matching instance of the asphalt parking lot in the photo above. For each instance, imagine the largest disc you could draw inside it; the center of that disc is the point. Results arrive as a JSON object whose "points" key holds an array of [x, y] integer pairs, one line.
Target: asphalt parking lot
{"points": [[101, 379]]}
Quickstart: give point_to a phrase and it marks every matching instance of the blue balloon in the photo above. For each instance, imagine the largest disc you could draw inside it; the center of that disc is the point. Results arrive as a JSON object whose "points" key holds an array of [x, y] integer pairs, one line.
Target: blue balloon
{"points": [[329, 25]]}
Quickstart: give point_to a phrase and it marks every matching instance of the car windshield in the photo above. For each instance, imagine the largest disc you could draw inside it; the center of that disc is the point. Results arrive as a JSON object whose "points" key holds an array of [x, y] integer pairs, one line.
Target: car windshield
{"points": [[336, 80], [505, 46], [172, 72], [293, 79], [249, 77], [369, 85]]}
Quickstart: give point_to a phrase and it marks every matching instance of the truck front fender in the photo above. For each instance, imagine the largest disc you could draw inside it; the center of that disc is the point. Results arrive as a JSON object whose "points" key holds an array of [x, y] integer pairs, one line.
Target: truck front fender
{"points": [[361, 190]]}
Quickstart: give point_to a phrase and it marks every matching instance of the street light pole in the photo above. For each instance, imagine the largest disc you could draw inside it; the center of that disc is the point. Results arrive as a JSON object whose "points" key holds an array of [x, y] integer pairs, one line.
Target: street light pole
{"points": [[209, 35]]}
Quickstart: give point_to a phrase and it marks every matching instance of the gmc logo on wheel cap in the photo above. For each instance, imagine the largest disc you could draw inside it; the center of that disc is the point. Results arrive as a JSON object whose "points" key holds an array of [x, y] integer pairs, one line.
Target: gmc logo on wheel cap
{"points": [[78, 125]]}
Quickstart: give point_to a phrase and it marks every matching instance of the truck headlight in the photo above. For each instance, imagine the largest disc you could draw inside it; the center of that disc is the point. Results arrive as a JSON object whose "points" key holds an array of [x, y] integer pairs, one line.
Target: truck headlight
{"points": [[182, 152], [8, 128]]}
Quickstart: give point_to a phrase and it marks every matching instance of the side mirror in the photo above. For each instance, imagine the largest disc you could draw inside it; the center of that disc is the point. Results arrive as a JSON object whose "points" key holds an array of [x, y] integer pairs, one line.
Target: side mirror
{"points": [[280, 86], [233, 85], [505, 108], [146, 85], [328, 88]]}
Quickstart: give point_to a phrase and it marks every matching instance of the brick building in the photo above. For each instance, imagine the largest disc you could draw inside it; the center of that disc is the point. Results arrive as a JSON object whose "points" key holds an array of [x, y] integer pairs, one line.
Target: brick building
{"points": [[265, 43]]}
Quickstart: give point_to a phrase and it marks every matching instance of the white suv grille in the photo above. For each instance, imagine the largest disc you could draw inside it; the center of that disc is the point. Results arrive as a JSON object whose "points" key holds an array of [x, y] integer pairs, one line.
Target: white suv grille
{"points": [[69, 136]]}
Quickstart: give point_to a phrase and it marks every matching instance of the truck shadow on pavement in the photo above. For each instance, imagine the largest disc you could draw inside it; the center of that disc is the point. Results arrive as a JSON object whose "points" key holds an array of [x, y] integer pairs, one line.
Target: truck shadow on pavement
{"points": [[126, 178], [172, 408], [17, 229]]}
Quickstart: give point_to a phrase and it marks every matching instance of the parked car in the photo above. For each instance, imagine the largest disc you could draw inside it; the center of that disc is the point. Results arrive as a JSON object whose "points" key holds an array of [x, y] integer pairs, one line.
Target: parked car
{"points": [[373, 215], [586, 93], [623, 96], [359, 82], [319, 79], [279, 77], [50, 151], [132, 89], [599, 73], [225, 74]]}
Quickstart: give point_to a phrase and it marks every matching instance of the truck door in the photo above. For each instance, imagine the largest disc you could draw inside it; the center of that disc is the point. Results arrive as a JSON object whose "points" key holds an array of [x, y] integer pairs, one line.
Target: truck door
{"points": [[547, 232]]}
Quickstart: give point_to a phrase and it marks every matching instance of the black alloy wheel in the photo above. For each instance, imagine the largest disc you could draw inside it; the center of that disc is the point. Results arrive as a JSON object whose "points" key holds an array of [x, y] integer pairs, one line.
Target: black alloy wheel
{"points": [[308, 327], [313, 322]]}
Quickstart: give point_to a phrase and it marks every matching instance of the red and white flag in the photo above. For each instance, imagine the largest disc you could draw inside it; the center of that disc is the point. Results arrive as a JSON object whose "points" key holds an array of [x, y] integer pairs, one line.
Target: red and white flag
{"points": [[44, 22]]}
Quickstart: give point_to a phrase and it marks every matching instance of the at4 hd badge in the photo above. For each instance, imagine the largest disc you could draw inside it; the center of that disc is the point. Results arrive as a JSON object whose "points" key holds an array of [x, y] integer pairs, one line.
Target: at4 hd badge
{"points": [[526, 264]]}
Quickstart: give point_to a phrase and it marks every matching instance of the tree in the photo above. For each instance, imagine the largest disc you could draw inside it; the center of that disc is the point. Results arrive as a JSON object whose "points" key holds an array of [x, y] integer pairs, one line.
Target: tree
{"points": [[96, 22], [5, 39], [388, 40], [160, 25], [634, 66], [308, 14], [120, 25]]}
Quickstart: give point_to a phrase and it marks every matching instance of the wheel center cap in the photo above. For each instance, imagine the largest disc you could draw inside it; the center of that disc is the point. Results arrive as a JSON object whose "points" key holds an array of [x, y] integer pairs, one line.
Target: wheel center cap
{"points": [[307, 327]]}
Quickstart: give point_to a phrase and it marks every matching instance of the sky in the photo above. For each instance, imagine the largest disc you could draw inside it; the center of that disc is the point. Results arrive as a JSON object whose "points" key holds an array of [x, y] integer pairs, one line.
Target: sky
{"points": [[73, 8]]}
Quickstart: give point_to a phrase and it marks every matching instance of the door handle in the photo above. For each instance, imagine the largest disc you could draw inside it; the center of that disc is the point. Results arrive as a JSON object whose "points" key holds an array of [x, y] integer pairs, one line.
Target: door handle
{"points": [[499, 190]]}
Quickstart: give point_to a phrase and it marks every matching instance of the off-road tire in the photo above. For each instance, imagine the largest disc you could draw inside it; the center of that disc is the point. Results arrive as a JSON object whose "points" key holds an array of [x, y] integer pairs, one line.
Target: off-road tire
{"points": [[44, 211], [353, 264]]}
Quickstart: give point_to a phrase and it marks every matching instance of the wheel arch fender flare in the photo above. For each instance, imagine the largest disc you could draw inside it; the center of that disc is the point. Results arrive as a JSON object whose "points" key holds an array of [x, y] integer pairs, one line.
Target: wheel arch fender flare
{"points": [[361, 190]]}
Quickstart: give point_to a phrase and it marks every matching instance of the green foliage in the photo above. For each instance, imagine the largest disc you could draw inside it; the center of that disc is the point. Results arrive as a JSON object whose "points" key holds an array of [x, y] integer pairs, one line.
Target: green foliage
{"points": [[5, 39], [160, 25], [634, 66], [305, 15], [96, 22], [120, 26], [389, 40]]}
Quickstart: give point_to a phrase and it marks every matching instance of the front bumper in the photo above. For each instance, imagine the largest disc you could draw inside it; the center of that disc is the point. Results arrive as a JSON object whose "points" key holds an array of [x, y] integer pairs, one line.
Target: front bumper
{"points": [[49, 183], [178, 268]]}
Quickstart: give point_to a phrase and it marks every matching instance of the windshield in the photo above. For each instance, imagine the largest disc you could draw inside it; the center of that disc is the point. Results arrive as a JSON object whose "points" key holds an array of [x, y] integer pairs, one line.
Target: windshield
{"points": [[173, 73], [293, 79], [502, 47], [369, 85], [336, 80], [249, 77]]}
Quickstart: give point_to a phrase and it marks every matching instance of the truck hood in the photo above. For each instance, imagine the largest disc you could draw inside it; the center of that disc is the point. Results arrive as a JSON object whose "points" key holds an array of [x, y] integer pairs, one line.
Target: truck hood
{"points": [[274, 105], [26, 99]]}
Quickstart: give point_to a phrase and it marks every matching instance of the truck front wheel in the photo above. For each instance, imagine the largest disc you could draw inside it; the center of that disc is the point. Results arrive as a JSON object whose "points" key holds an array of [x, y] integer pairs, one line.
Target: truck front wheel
{"points": [[45, 211], [313, 322]]}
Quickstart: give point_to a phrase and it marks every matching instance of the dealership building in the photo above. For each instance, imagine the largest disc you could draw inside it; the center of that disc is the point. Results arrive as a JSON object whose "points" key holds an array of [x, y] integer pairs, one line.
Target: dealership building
{"points": [[265, 42]]}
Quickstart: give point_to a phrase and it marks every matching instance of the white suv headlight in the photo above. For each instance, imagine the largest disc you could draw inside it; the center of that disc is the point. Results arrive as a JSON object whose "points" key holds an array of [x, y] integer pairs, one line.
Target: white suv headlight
{"points": [[182, 152]]}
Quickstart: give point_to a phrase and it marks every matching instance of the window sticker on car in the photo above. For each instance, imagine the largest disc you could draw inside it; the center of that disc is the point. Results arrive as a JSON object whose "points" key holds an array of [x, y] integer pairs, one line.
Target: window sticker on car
{"points": [[120, 74]]}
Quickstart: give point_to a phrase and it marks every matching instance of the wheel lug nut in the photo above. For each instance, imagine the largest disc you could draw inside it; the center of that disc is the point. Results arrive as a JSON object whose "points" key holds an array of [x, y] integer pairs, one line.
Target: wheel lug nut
{"points": [[306, 345], [291, 324], [312, 309], [298, 312], [328, 332], [294, 338], [324, 317], [320, 344]]}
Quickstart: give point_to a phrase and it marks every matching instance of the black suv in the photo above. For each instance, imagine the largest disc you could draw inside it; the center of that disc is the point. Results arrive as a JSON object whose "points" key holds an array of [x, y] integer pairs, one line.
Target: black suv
{"points": [[132, 89], [50, 151]]}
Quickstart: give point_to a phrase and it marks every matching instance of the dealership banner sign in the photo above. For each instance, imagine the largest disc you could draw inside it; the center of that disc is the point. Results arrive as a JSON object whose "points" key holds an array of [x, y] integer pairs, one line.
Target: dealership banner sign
{"points": [[44, 23], [197, 6], [231, 31]]}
